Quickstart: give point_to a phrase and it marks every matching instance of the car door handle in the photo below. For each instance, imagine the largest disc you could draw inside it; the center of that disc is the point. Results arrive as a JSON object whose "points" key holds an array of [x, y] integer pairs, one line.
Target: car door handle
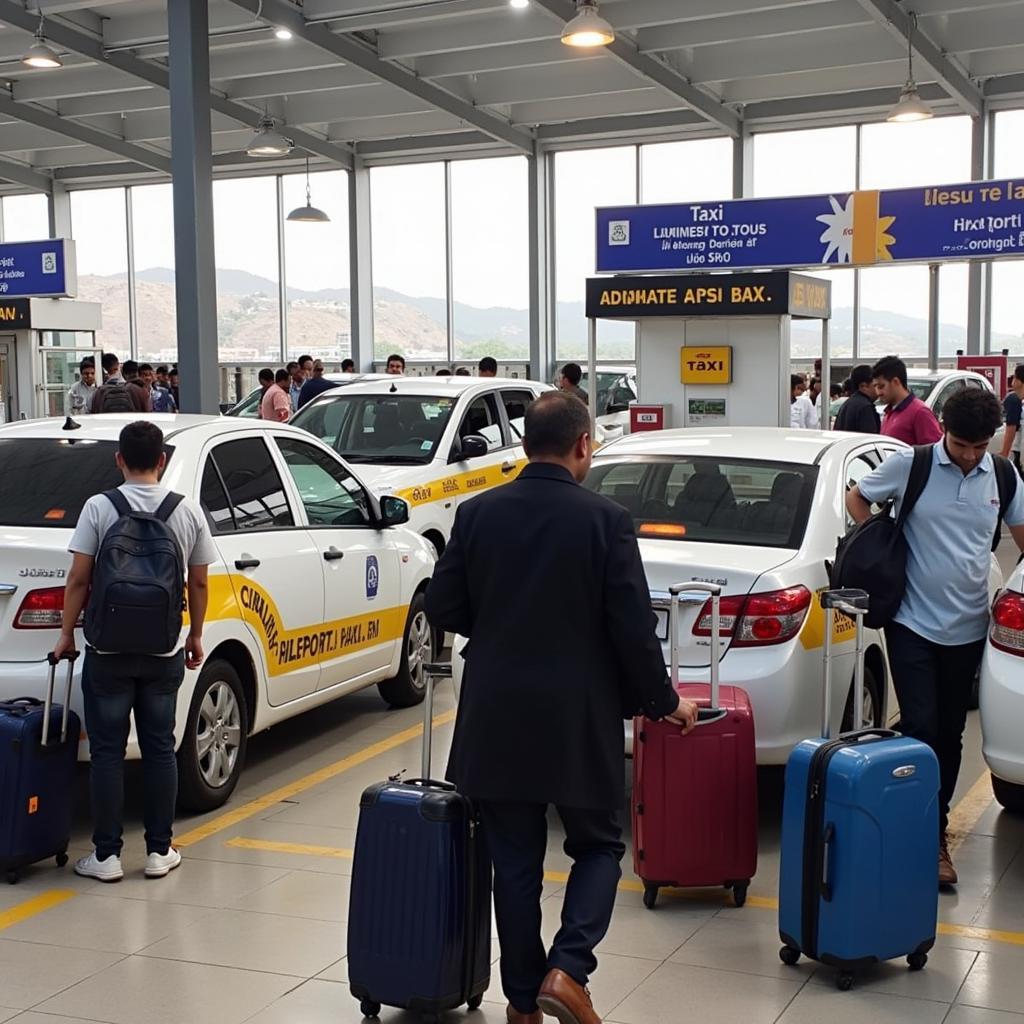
{"points": [[508, 467], [247, 563], [332, 554]]}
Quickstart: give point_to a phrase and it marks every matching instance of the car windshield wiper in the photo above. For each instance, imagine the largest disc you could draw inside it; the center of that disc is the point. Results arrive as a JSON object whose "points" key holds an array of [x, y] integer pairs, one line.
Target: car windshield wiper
{"points": [[398, 460]]}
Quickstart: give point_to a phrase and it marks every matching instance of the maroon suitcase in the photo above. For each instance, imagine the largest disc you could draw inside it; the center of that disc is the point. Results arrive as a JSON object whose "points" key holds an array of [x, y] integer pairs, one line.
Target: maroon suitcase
{"points": [[695, 797]]}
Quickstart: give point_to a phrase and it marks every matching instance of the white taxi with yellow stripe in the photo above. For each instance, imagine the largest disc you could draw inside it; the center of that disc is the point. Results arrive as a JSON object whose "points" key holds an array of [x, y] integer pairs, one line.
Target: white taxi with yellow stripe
{"points": [[318, 590], [434, 441], [758, 511]]}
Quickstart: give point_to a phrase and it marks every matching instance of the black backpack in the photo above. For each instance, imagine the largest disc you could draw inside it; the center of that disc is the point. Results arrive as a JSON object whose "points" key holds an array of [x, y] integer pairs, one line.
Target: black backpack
{"points": [[115, 398], [873, 555], [138, 582]]}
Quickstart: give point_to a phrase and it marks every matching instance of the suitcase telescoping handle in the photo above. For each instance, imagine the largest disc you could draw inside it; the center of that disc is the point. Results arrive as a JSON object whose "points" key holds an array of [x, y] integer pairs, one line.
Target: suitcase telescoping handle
{"points": [[71, 657], [431, 671], [853, 603], [678, 595]]}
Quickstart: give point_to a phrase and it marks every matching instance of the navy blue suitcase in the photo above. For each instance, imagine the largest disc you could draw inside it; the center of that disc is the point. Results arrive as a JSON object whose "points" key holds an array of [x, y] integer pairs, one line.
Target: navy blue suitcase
{"points": [[419, 927], [860, 837], [38, 753]]}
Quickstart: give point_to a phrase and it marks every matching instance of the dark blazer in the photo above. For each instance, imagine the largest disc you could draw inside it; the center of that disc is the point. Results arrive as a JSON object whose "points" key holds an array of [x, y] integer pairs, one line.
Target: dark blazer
{"points": [[545, 579], [858, 413]]}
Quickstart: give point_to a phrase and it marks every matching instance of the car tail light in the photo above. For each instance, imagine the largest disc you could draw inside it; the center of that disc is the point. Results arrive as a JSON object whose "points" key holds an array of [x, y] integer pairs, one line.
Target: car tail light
{"points": [[1008, 623], [41, 609], [759, 620]]}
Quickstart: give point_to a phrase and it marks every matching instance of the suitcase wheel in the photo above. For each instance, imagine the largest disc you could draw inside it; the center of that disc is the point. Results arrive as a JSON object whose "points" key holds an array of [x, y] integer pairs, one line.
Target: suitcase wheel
{"points": [[476, 1002], [844, 982], [739, 893], [368, 1008], [916, 961], [650, 896], [789, 956], [62, 859]]}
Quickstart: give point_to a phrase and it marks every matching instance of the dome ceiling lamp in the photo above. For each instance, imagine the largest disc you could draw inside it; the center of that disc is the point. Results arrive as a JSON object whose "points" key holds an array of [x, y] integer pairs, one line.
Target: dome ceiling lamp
{"points": [[308, 214], [267, 141], [587, 28], [40, 54], [910, 106]]}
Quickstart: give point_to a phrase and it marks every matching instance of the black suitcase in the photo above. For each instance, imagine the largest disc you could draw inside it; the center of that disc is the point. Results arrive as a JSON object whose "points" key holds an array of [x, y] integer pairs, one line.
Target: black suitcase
{"points": [[38, 753], [419, 929]]}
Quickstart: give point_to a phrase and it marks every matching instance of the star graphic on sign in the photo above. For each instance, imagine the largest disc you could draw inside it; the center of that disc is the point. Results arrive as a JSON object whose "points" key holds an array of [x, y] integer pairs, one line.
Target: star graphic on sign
{"points": [[839, 233]]}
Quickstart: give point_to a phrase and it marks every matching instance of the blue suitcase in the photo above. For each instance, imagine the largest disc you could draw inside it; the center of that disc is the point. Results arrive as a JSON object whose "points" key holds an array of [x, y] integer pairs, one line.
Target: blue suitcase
{"points": [[38, 754], [419, 928], [860, 837]]}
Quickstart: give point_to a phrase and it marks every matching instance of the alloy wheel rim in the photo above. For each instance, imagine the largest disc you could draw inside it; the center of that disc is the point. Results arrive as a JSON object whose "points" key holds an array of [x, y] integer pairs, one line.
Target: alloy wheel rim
{"points": [[418, 649], [218, 734]]}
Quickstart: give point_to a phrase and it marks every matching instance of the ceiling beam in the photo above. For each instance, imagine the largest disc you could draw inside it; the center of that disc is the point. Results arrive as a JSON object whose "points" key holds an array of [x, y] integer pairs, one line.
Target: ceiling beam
{"points": [[22, 175], [898, 23], [654, 70], [351, 51]]}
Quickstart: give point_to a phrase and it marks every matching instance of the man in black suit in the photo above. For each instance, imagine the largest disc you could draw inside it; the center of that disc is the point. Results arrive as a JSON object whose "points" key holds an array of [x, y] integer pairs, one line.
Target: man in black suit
{"points": [[858, 412], [545, 579]]}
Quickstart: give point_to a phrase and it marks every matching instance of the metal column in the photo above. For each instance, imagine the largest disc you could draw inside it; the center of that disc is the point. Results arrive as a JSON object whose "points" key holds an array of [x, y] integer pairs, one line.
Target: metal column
{"points": [[449, 265], [282, 272], [58, 208], [977, 272], [360, 268], [933, 316], [592, 370], [133, 302], [191, 172], [542, 262]]}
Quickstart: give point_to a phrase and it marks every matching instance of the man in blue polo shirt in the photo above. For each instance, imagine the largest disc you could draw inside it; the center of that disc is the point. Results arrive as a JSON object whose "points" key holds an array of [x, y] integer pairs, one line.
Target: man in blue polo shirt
{"points": [[938, 636]]}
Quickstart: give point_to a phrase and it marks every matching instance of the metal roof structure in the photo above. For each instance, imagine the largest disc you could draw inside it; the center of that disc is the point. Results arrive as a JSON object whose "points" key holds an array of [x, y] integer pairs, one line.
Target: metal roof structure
{"points": [[379, 81]]}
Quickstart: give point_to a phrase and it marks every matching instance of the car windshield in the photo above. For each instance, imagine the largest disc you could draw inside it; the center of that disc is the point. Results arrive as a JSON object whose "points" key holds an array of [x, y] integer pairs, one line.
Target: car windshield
{"points": [[612, 388], [248, 407], [703, 498], [46, 481], [921, 387], [381, 429]]}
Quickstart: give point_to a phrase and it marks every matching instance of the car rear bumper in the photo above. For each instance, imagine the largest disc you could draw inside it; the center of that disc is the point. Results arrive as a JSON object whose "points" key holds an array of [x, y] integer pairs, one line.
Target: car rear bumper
{"points": [[1001, 705]]}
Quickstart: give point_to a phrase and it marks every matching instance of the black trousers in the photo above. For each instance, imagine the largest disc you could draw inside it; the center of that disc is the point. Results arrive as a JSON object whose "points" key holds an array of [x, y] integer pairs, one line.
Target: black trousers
{"points": [[933, 684], [517, 837]]}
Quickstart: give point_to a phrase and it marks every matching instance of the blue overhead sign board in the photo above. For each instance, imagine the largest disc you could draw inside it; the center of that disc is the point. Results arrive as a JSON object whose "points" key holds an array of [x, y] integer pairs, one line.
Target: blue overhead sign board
{"points": [[979, 220], [38, 269]]}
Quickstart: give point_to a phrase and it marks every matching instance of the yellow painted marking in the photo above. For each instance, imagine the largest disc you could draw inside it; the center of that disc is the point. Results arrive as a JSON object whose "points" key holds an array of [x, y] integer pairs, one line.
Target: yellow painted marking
{"points": [[964, 931], [968, 811], [473, 481], [812, 634], [23, 911], [300, 849], [865, 227], [286, 792]]}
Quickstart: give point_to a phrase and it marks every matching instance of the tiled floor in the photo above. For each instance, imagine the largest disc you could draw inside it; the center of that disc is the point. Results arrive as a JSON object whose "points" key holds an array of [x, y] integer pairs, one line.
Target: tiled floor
{"points": [[252, 927]]}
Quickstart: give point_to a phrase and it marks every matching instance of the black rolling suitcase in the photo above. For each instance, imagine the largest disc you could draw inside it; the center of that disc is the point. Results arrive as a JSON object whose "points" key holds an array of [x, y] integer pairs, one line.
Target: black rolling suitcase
{"points": [[38, 752], [419, 929]]}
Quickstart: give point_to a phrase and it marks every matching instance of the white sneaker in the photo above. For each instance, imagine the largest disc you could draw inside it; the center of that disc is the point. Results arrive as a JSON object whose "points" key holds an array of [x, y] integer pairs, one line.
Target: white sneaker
{"points": [[108, 870], [160, 864]]}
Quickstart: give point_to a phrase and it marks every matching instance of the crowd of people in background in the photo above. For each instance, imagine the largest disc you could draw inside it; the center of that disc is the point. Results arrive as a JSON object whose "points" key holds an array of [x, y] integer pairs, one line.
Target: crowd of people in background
{"points": [[125, 387]]}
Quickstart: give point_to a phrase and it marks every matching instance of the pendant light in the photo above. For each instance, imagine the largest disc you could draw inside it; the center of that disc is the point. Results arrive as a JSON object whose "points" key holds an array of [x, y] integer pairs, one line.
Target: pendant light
{"points": [[910, 106], [267, 141], [308, 214], [40, 54], [587, 28]]}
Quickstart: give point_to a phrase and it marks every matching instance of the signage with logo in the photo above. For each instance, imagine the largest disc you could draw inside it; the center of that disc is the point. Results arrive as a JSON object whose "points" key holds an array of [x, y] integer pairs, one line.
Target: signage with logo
{"points": [[647, 417], [706, 364], [44, 269], [705, 411], [995, 369], [15, 314], [372, 577]]}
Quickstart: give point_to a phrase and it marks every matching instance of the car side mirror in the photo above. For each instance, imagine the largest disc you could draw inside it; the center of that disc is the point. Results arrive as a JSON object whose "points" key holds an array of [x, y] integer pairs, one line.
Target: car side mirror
{"points": [[472, 446], [393, 511]]}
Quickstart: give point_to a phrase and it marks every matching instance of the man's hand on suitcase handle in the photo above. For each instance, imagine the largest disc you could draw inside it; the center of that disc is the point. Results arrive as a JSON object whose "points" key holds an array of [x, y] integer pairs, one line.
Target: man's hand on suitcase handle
{"points": [[64, 648], [685, 715]]}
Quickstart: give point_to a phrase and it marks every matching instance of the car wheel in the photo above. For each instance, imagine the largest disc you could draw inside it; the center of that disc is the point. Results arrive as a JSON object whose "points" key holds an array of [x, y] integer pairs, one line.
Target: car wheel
{"points": [[871, 714], [408, 687], [1009, 794], [213, 751]]}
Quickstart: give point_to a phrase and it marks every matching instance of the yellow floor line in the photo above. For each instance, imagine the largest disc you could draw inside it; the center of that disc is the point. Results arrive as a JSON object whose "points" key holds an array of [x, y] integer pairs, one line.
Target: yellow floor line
{"points": [[300, 849], [964, 931], [263, 803], [969, 809], [23, 911]]}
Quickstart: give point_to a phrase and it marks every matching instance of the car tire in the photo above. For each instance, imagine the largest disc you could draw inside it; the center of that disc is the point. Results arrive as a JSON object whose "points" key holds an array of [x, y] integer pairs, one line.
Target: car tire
{"points": [[409, 686], [212, 752], [1009, 795], [872, 693]]}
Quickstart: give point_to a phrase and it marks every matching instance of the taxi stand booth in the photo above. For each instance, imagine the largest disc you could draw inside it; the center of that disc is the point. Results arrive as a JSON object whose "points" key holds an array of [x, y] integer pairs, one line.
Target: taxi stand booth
{"points": [[712, 349], [42, 343]]}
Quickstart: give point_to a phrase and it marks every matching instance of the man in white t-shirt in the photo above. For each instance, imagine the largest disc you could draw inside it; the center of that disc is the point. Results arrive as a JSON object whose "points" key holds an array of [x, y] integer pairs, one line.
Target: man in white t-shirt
{"points": [[116, 684], [801, 410]]}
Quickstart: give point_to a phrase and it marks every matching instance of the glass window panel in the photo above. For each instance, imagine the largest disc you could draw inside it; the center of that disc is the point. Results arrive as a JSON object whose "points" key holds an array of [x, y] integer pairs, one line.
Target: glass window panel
{"points": [[408, 237], [316, 261], [490, 258], [805, 162], [1009, 143], [155, 304], [680, 172], [584, 180], [936, 152], [952, 308], [257, 494], [894, 312], [99, 227], [245, 243], [329, 493], [26, 218], [1007, 308]]}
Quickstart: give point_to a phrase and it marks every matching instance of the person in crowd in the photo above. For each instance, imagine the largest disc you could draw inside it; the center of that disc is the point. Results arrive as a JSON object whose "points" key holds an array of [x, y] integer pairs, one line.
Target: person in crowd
{"points": [[858, 412], [837, 397], [906, 416], [130, 371], [111, 367], [348, 366], [487, 367], [316, 385], [569, 700], [84, 389], [276, 405], [396, 365], [117, 685], [266, 379], [814, 394], [569, 378], [162, 377], [938, 636], [172, 378], [160, 396], [462, 371], [306, 365], [443, 372], [118, 394], [296, 379], [801, 411], [1012, 410]]}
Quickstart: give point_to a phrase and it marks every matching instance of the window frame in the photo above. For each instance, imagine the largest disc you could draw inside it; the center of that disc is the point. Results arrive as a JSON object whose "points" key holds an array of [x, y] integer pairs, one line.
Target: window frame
{"points": [[500, 421], [513, 440]]}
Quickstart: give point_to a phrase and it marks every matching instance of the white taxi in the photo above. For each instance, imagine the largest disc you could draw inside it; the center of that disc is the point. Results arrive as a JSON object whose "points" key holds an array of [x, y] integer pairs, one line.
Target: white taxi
{"points": [[434, 441], [616, 388], [318, 590]]}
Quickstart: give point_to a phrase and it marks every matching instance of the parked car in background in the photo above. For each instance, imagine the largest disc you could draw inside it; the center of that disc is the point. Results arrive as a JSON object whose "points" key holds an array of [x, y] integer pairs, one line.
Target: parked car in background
{"points": [[249, 407], [616, 388]]}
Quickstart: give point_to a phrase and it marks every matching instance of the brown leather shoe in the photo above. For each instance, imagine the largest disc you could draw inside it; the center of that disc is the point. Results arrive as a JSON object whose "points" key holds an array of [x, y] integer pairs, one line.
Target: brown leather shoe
{"points": [[515, 1017], [566, 1000], [947, 873]]}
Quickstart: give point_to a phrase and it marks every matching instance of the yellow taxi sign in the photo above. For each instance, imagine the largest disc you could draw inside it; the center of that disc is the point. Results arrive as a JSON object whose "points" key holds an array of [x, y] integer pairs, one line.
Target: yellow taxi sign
{"points": [[703, 364]]}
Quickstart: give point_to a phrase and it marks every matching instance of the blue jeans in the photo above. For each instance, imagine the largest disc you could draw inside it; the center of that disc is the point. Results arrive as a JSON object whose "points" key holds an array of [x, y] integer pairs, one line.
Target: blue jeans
{"points": [[115, 685]]}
